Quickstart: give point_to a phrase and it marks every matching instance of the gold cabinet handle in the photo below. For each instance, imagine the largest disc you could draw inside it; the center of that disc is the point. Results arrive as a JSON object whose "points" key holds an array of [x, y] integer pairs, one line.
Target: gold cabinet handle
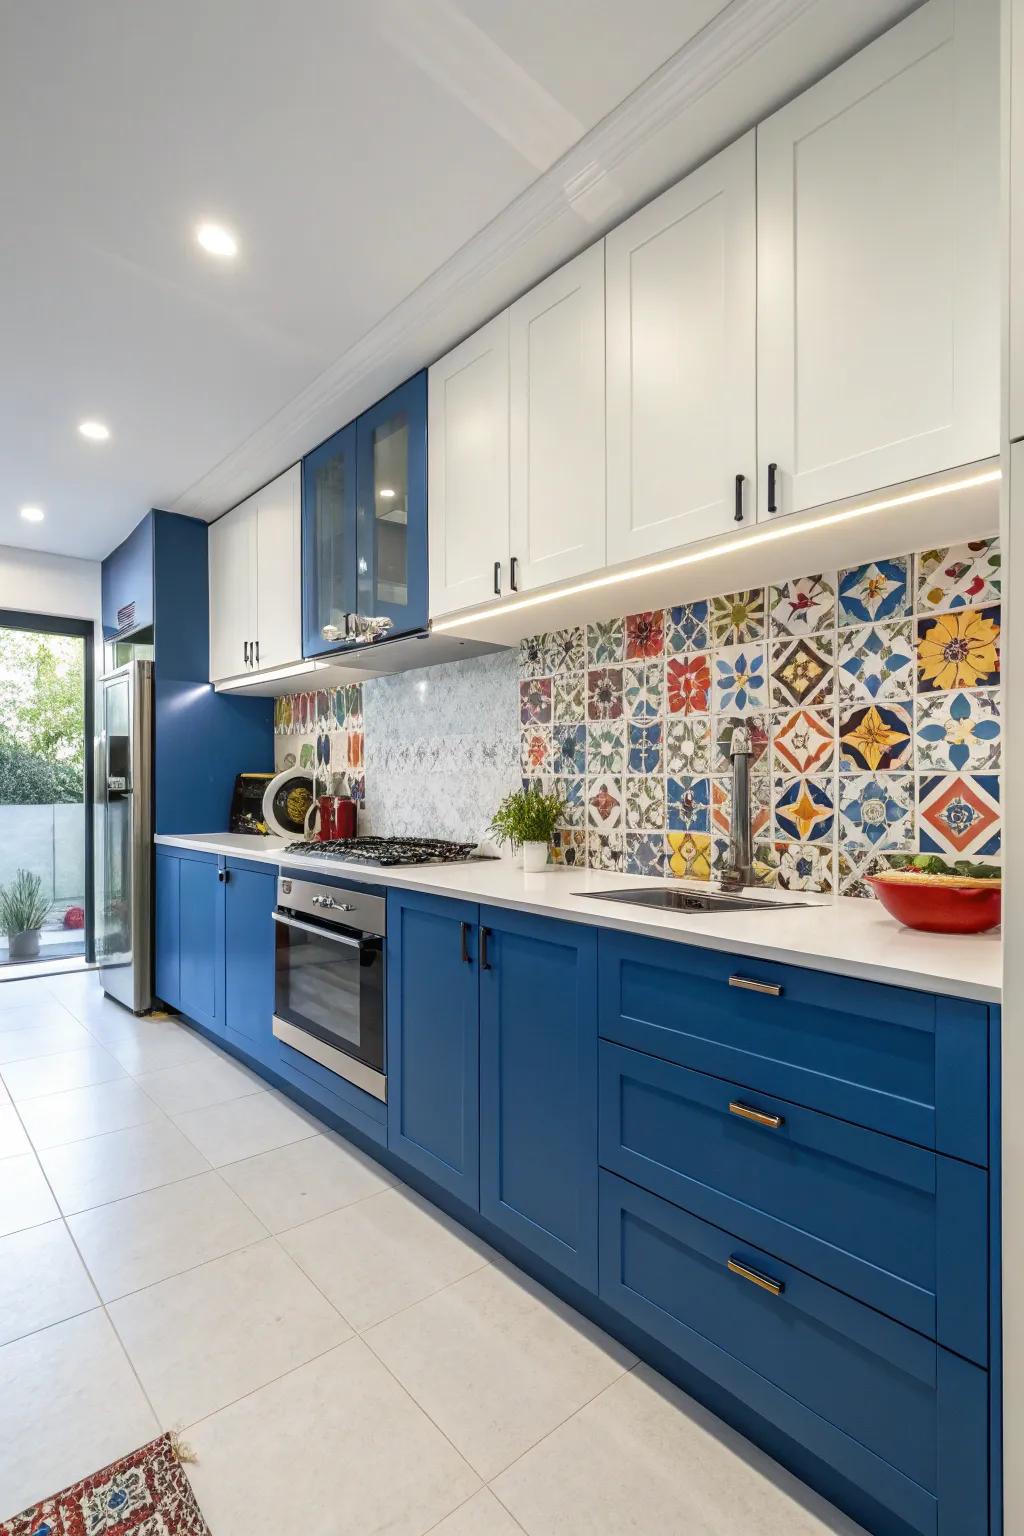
{"points": [[771, 988], [763, 1282], [748, 1112]]}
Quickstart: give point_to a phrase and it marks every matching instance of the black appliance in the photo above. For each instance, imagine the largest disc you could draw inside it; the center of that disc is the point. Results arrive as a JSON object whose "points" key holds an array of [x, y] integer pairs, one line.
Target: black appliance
{"points": [[386, 852]]}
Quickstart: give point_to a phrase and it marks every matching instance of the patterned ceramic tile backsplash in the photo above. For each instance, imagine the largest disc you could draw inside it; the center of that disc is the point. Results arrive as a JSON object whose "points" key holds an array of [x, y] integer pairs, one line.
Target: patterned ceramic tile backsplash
{"points": [[873, 700]]}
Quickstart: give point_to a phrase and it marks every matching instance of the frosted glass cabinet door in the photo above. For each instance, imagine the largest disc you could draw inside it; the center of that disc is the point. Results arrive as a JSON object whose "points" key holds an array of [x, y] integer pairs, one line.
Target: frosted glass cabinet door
{"points": [[557, 413], [681, 281], [878, 220]]}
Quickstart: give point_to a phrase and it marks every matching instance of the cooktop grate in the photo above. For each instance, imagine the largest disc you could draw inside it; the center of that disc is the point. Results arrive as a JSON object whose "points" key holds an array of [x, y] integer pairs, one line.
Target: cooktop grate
{"points": [[385, 851]]}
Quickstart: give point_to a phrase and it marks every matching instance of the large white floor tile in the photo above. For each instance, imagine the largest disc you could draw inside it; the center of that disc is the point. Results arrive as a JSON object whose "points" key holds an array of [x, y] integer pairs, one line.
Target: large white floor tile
{"points": [[204, 1338], [54, 1074], [43, 1040], [304, 1179], [149, 1237], [19, 994], [213, 1079], [102, 1168], [12, 1133], [42, 1280], [497, 1363], [341, 1433], [149, 1045], [644, 1457], [481, 1515], [57, 1118], [5, 1097], [246, 1127], [69, 1404], [25, 1198], [34, 1015], [382, 1254]]}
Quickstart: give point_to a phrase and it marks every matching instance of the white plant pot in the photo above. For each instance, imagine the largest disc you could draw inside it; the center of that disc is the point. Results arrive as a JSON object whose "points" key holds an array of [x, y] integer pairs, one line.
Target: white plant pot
{"points": [[23, 946], [535, 857]]}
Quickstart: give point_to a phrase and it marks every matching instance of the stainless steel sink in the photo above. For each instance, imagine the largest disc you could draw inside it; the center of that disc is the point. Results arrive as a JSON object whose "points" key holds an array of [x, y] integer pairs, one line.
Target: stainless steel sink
{"points": [[670, 900]]}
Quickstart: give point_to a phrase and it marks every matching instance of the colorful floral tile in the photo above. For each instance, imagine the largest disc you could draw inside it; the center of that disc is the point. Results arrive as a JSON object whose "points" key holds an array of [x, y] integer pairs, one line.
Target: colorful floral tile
{"points": [[535, 749], [876, 663], [569, 749], [766, 860], [572, 792], [875, 737], [875, 591], [958, 649], [802, 742], [686, 628], [569, 700], [689, 804], [644, 690], [759, 727], [354, 749], [960, 575], [564, 651], [856, 863], [531, 656], [604, 693], [804, 867], [688, 684], [688, 855], [960, 815], [307, 755], [959, 730], [606, 748], [804, 809], [740, 680], [339, 708], [606, 642], [801, 606], [645, 747], [604, 803], [645, 853], [569, 847], [738, 617], [802, 671], [760, 806], [357, 787], [645, 803], [606, 850], [354, 706], [688, 745], [535, 701], [645, 635], [877, 811]]}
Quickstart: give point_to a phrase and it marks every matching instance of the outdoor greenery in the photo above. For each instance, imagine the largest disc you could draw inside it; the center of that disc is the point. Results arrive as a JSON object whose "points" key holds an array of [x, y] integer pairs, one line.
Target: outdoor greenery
{"points": [[22, 905], [42, 749], [527, 816]]}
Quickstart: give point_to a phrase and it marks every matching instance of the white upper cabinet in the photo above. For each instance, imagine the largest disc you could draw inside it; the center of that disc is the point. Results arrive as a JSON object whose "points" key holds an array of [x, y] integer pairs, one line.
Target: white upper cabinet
{"points": [[256, 581], [557, 426], [467, 426], [232, 558], [681, 295], [878, 214]]}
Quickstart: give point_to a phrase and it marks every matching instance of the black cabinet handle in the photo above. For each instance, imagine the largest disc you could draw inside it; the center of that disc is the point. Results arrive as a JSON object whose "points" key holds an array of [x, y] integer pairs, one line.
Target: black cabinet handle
{"points": [[464, 944], [497, 578], [738, 514], [513, 574], [257, 645], [773, 476], [485, 964], [223, 875], [245, 651]]}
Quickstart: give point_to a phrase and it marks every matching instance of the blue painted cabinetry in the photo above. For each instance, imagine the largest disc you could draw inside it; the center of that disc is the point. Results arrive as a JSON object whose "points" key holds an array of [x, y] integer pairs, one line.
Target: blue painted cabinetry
{"points": [[189, 934], [249, 900]]}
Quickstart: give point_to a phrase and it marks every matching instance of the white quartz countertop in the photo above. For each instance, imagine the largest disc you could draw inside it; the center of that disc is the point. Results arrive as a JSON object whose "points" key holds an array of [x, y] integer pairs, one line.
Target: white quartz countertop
{"points": [[848, 936]]}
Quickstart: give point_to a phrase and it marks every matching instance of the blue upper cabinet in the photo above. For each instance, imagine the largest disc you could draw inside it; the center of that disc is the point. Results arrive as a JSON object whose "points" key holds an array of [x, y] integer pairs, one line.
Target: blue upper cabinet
{"points": [[126, 580], [364, 523]]}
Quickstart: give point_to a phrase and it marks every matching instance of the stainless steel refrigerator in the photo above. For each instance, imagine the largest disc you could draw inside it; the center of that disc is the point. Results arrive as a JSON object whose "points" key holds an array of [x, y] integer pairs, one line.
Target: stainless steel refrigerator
{"points": [[124, 834]]}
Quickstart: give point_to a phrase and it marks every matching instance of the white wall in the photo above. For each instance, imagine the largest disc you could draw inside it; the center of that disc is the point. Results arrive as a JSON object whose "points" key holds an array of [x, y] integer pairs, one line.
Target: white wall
{"points": [[50, 584]]}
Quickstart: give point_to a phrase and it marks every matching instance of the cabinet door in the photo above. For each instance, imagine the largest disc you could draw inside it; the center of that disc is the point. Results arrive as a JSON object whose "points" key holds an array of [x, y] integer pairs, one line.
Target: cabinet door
{"points": [[538, 1086], [329, 543], [249, 899], [878, 215], [201, 946], [1015, 87], [467, 427], [557, 419], [167, 929], [391, 514], [681, 283], [232, 561], [278, 629], [432, 1040]]}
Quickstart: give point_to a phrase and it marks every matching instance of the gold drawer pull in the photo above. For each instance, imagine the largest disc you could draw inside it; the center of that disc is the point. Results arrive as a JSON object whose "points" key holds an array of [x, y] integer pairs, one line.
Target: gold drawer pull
{"points": [[765, 1282], [771, 988], [748, 1112]]}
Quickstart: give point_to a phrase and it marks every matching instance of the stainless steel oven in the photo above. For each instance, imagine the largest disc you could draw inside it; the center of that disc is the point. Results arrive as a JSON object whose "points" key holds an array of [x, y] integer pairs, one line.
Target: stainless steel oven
{"points": [[329, 970]]}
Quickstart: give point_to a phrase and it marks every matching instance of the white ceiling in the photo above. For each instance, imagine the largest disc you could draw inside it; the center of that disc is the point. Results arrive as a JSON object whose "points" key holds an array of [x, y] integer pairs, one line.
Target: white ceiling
{"points": [[354, 148]]}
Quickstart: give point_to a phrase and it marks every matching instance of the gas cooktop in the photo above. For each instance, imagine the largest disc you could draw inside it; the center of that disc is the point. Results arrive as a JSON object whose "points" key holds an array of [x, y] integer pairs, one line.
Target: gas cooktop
{"points": [[389, 851]]}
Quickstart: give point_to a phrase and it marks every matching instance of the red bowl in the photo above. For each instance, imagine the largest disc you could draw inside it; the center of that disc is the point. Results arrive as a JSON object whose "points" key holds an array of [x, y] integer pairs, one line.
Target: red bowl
{"points": [[940, 908]]}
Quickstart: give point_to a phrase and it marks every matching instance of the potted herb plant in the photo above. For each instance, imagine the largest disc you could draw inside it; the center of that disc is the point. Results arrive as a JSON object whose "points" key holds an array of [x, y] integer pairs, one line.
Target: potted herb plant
{"points": [[527, 819], [22, 913]]}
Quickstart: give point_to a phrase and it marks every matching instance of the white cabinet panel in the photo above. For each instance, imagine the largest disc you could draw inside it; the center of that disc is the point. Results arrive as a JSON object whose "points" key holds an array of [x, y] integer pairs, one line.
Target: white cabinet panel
{"points": [[278, 629], [877, 282], [557, 425], [232, 567], [467, 419], [681, 285], [1015, 29]]}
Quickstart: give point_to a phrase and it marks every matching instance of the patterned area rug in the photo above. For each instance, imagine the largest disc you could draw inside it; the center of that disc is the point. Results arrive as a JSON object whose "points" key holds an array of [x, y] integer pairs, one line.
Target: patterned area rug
{"points": [[144, 1494]]}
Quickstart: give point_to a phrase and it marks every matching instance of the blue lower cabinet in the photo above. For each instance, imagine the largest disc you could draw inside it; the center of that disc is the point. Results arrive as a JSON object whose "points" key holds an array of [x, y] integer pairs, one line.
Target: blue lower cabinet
{"points": [[538, 1086], [249, 899], [167, 928], [432, 1039], [190, 935]]}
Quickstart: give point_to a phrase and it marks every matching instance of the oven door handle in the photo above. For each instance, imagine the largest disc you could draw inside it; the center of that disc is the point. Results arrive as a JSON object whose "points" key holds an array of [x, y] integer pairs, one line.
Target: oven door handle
{"points": [[321, 933]]}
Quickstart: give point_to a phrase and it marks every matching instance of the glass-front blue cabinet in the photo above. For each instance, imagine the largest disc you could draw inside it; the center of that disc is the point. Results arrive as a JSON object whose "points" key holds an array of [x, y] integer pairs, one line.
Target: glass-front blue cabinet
{"points": [[364, 524]]}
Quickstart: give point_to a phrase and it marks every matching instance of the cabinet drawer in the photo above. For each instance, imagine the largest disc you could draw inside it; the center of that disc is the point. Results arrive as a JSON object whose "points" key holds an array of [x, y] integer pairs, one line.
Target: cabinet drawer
{"points": [[897, 1226], [889, 1409], [903, 1062]]}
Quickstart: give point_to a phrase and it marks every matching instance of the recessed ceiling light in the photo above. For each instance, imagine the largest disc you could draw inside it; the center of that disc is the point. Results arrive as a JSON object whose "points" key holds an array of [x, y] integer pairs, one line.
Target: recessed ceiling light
{"points": [[33, 514], [386, 493], [95, 431], [217, 240]]}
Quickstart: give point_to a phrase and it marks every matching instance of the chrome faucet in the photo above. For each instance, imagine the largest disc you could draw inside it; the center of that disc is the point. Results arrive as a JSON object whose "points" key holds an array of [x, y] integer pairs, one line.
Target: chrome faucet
{"points": [[739, 871]]}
